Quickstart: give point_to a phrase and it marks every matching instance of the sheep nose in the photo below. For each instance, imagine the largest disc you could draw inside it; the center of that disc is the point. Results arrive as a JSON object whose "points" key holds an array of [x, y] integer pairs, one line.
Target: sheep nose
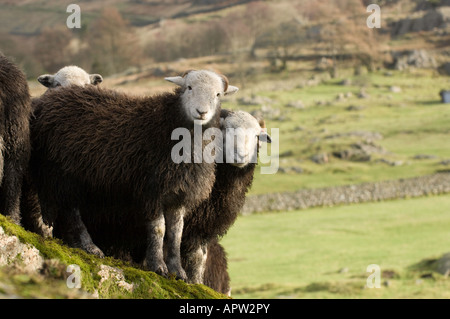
{"points": [[201, 113]]}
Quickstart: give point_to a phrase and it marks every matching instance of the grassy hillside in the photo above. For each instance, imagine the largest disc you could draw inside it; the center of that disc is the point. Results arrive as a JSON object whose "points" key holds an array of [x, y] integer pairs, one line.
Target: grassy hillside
{"points": [[324, 252], [398, 129], [100, 278]]}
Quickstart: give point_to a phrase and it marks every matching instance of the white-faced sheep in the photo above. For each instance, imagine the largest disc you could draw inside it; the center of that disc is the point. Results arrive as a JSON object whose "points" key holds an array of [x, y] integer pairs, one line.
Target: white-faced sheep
{"points": [[30, 207], [120, 236], [15, 111], [98, 142], [214, 216], [69, 75]]}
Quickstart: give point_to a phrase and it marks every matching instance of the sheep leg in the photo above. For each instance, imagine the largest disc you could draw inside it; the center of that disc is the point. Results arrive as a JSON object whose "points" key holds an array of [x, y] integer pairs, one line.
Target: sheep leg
{"points": [[174, 230], [11, 189], [75, 233], [194, 259], [31, 209], [154, 258]]}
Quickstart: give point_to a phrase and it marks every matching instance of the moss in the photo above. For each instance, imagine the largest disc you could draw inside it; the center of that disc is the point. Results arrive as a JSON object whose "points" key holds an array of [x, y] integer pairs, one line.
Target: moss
{"points": [[51, 282]]}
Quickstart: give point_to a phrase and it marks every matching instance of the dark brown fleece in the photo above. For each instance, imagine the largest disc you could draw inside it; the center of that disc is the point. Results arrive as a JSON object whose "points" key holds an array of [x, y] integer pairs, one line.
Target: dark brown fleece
{"points": [[94, 147], [216, 268], [15, 110]]}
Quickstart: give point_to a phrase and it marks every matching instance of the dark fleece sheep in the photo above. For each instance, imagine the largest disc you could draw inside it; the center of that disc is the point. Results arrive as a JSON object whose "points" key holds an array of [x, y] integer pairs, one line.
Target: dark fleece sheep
{"points": [[91, 143], [214, 216], [120, 235], [15, 111]]}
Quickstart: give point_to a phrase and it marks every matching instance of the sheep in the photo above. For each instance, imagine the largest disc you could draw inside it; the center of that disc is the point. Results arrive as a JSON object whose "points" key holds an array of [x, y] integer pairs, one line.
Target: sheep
{"points": [[213, 218], [32, 218], [201, 251], [15, 148], [97, 143], [69, 75]]}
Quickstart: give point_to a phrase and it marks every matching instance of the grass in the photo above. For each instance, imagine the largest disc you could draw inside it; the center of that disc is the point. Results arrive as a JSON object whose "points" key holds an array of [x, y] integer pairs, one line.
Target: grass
{"points": [[51, 283], [324, 252], [410, 122]]}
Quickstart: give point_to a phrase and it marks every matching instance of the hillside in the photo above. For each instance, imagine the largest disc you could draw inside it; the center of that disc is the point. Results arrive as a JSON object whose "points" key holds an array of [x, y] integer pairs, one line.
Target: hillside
{"points": [[34, 267], [29, 18]]}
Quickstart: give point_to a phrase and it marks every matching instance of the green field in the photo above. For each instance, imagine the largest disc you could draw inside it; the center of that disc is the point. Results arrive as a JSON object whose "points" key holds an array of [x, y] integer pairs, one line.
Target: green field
{"points": [[408, 123], [324, 252]]}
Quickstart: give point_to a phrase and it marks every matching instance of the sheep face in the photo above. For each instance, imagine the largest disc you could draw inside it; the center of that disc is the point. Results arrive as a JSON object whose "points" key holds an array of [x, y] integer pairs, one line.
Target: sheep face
{"points": [[201, 95], [70, 75], [242, 137]]}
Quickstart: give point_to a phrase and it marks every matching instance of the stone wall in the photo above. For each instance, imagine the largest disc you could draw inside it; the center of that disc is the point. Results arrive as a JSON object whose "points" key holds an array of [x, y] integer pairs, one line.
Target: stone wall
{"points": [[435, 184]]}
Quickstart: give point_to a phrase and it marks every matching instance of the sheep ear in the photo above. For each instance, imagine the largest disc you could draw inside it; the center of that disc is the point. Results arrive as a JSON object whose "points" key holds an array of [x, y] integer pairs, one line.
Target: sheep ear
{"points": [[95, 79], [178, 80], [47, 80], [264, 137], [231, 90]]}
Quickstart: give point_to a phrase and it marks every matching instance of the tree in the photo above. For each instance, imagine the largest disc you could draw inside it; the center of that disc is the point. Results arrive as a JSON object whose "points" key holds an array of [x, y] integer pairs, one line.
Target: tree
{"points": [[52, 48], [113, 45]]}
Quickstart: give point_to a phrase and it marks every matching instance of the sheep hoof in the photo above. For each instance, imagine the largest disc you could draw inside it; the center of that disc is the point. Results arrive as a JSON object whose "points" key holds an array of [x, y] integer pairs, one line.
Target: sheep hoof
{"points": [[179, 274], [158, 268], [93, 249]]}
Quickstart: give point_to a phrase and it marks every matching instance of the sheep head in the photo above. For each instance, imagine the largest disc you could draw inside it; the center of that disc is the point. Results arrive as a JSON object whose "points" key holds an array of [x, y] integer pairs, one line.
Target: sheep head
{"points": [[201, 93], [69, 75], [242, 136]]}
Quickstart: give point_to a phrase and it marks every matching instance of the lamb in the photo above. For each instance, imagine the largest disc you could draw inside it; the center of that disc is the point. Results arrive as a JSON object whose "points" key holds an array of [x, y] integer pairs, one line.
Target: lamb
{"points": [[91, 142], [212, 219], [69, 75], [15, 148]]}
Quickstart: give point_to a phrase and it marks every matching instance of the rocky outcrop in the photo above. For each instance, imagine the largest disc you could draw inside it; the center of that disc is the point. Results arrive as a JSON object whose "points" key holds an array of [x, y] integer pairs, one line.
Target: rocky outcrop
{"points": [[35, 267], [430, 20]]}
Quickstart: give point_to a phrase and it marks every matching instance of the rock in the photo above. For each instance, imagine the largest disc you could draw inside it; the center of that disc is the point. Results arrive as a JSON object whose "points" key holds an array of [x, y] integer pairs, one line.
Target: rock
{"points": [[367, 135], [320, 158], [352, 155], [346, 82], [415, 58], [424, 156], [390, 163], [343, 270], [286, 154], [432, 19], [15, 254], [296, 105], [255, 100], [340, 97], [443, 265], [395, 89], [444, 69], [355, 108], [363, 94], [297, 170]]}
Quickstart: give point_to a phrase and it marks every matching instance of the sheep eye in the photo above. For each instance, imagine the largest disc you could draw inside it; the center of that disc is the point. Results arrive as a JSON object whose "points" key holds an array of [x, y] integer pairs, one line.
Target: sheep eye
{"points": [[190, 88], [218, 94]]}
